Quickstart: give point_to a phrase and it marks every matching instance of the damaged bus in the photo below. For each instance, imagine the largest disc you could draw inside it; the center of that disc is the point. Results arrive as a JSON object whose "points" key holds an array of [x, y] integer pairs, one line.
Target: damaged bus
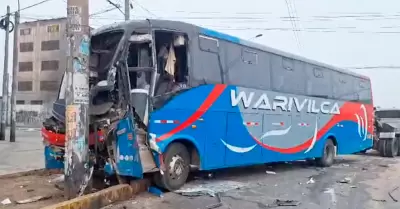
{"points": [[168, 98]]}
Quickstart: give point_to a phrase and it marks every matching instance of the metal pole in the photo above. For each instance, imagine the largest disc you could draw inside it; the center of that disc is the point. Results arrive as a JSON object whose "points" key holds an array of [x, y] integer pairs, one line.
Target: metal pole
{"points": [[127, 10], [14, 79], [4, 103], [77, 172]]}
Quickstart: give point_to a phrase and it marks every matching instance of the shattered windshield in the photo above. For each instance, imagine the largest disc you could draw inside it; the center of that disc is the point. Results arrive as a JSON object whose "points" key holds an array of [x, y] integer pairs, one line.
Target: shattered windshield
{"points": [[103, 47]]}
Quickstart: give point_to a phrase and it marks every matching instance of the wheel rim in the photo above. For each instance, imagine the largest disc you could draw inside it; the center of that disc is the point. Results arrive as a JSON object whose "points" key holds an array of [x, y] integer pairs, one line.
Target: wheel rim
{"points": [[328, 153], [176, 167]]}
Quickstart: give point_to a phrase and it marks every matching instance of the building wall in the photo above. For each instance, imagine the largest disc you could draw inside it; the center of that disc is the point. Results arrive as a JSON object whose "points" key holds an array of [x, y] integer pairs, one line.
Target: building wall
{"points": [[47, 74]]}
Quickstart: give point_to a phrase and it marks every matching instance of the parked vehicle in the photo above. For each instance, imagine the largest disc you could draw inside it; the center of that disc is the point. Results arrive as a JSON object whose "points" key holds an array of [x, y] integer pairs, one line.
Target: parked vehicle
{"points": [[387, 126]]}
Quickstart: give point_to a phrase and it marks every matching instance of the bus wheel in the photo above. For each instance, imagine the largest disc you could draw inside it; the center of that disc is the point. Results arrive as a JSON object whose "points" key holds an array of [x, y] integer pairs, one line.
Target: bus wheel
{"points": [[381, 148], [391, 147], [328, 155], [398, 147], [176, 160]]}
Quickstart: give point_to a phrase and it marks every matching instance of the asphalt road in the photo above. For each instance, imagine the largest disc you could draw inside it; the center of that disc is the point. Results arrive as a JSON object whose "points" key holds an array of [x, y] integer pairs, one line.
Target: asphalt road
{"points": [[366, 180]]}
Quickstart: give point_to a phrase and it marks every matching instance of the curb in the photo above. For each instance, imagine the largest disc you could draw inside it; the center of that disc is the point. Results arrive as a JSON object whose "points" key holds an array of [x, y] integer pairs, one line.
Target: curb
{"points": [[30, 172], [105, 197], [28, 129]]}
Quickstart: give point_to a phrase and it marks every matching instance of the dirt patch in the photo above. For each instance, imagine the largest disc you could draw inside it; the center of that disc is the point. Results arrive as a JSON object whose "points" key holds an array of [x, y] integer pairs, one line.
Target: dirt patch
{"points": [[30, 185]]}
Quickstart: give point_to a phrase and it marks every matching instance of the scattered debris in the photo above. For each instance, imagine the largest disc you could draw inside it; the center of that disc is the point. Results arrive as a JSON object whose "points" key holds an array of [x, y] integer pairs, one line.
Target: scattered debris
{"points": [[311, 181], [332, 192], [384, 165], [22, 186], [279, 202], [346, 180], [6, 201], [33, 199], [211, 187], [218, 204], [30, 190], [391, 196], [155, 191], [364, 169], [353, 186], [57, 179], [376, 200], [270, 172], [345, 165]]}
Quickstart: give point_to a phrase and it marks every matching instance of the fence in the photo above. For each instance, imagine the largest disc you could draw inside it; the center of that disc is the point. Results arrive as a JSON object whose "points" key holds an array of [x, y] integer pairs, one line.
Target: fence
{"points": [[32, 116]]}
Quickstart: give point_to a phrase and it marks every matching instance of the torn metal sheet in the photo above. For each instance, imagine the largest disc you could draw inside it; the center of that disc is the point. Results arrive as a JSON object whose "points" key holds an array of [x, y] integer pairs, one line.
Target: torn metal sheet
{"points": [[211, 188]]}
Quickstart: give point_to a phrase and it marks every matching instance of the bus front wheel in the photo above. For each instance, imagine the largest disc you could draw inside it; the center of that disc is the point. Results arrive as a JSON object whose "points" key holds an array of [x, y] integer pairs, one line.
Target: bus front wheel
{"points": [[328, 155], [177, 168]]}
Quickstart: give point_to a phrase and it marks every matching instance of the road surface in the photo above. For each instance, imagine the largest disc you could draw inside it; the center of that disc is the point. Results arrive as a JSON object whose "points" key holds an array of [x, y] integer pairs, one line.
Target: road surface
{"points": [[354, 182], [24, 154]]}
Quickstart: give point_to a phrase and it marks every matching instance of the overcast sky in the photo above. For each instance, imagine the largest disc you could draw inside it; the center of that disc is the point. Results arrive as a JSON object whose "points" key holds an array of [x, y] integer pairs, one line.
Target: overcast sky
{"points": [[344, 33]]}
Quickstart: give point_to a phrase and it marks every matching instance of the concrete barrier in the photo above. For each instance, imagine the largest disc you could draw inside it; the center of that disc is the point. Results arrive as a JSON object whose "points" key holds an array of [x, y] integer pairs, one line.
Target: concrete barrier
{"points": [[104, 197]]}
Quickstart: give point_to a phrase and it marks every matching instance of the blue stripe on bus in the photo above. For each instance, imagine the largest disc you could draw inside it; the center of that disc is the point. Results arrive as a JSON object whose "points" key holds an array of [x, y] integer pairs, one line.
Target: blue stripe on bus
{"points": [[219, 35]]}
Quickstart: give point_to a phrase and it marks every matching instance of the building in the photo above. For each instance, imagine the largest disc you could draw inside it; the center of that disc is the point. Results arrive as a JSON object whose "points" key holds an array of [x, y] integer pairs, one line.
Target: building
{"points": [[42, 48]]}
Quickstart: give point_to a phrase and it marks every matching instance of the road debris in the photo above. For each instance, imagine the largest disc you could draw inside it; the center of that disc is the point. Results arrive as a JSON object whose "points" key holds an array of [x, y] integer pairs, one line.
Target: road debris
{"points": [[311, 181], [57, 179], [211, 187], [218, 204], [376, 200], [391, 196], [384, 165], [6, 201], [270, 172], [279, 202], [33, 199], [346, 180], [155, 191]]}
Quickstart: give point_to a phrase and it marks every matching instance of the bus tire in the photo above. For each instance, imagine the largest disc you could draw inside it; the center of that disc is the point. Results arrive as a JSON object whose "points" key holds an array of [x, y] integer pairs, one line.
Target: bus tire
{"points": [[391, 147], [328, 155], [398, 147], [381, 147], [177, 168]]}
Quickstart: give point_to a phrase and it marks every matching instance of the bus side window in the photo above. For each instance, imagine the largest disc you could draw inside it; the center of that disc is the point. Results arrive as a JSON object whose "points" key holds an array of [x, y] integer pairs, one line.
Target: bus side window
{"points": [[249, 57], [343, 86], [288, 75], [364, 91], [319, 83], [207, 60]]}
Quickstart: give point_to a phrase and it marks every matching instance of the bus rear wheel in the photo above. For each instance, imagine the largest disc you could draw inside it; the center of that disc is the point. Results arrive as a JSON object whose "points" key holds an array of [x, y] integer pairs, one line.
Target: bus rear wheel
{"points": [[177, 168], [391, 147], [328, 155]]}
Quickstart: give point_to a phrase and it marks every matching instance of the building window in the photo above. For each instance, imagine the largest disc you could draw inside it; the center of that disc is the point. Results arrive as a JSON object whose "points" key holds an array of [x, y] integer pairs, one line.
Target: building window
{"points": [[49, 85], [50, 65], [26, 47], [53, 28], [25, 32], [50, 45], [25, 86], [36, 102], [20, 102], [25, 66]]}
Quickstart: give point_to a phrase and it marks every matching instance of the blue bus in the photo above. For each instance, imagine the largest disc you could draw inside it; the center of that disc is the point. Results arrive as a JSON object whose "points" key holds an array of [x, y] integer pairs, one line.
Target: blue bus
{"points": [[179, 98]]}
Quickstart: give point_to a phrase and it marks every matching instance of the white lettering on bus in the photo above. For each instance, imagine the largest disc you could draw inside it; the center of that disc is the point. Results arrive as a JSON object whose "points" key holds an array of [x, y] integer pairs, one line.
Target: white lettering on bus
{"points": [[284, 103]]}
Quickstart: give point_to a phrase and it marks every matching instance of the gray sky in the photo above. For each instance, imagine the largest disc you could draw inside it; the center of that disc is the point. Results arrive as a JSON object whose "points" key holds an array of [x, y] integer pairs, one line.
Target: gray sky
{"points": [[344, 33]]}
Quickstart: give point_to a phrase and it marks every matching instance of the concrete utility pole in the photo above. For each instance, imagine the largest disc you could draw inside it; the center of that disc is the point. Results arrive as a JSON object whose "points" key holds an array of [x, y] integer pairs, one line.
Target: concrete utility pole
{"points": [[127, 10], [14, 78], [4, 103], [78, 172]]}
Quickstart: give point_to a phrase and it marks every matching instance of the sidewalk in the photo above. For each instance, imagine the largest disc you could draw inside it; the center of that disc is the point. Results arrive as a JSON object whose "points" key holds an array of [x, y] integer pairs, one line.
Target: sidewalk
{"points": [[24, 154]]}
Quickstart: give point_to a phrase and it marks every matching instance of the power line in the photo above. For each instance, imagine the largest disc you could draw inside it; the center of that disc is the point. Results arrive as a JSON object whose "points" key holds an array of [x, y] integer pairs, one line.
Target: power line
{"points": [[116, 6], [144, 8], [28, 7]]}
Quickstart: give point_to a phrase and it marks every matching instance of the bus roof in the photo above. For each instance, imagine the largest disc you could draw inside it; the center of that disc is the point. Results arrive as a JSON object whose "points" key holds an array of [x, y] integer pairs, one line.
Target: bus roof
{"points": [[170, 24]]}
